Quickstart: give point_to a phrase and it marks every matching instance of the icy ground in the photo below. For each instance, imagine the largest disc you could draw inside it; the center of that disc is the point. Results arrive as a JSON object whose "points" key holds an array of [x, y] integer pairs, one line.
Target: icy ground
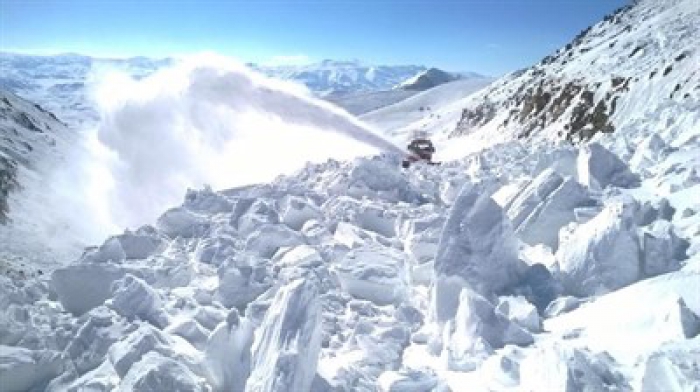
{"points": [[523, 268]]}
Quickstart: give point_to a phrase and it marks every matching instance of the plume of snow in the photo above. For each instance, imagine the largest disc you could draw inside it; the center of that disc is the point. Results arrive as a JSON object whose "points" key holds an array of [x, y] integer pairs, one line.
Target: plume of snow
{"points": [[209, 120]]}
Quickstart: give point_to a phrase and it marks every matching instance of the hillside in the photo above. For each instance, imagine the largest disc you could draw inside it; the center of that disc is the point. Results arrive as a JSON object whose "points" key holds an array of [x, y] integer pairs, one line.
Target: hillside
{"points": [[634, 73], [435, 107], [33, 142]]}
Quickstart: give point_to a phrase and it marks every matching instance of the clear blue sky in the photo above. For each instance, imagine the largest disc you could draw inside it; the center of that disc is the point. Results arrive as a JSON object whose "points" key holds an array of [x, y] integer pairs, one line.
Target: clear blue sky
{"points": [[488, 36]]}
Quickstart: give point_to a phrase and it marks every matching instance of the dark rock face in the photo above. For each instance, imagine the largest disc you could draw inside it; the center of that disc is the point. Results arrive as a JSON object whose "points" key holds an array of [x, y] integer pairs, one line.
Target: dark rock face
{"points": [[537, 105]]}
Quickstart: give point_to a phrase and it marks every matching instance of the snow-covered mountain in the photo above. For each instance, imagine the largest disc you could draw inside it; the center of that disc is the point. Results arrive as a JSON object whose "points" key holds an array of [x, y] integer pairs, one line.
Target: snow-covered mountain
{"points": [[630, 73], [61, 83], [429, 78], [334, 77]]}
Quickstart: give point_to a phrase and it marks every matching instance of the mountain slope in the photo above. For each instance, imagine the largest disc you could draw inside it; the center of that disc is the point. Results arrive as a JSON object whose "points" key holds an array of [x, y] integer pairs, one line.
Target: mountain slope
{"points": [[61, 83], [436, 107], [630, 73], [33, 143]]}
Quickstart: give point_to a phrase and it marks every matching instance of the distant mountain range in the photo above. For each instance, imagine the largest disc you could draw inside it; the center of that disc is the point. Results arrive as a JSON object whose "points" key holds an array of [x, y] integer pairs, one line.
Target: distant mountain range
{"points": [[58, 82]]}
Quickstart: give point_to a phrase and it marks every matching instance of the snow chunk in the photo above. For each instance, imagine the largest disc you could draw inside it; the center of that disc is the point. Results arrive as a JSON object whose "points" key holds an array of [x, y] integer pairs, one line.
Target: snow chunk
{"points": [[545, 206], [408, 381], [84, 286], [267, 239], [315, 232], [477, 245], [227, 355], [422, 236], [242, 278], [559, 368], [207, 201], [190, 330], [378, 177], [23, 370], [140, 244], [673, 369], [562, 305], [286, 350], [599, 168], [299, 256], [661, 248], [520, 311], [375, 273], [134, 298], [214, 250], [649, 152], [156, 373], [538, 286], [128, 351], [478, 329], [368, 215], [181, 222], [99, 330], [259, 213], [130, 245], [295, 211], [603, 254]]}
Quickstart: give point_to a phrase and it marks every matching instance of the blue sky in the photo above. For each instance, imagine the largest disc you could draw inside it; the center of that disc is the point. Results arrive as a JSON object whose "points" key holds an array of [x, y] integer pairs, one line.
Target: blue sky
{"points": [[488, 36]]}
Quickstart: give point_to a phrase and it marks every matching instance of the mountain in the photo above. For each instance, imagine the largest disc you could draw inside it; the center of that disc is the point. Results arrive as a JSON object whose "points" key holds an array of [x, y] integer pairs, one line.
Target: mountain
{"points": [[630, 73], [334, 77], [427, 79], [60, 83], [33, 142], [437, 106]]}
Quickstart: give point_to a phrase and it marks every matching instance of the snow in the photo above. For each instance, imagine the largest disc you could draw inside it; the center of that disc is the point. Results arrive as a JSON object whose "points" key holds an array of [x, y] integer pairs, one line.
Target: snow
{"points": [[477, 245], [598, 168], [22, 369], [531, 265], [286, 353], [436, 105], [373, 273]]}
